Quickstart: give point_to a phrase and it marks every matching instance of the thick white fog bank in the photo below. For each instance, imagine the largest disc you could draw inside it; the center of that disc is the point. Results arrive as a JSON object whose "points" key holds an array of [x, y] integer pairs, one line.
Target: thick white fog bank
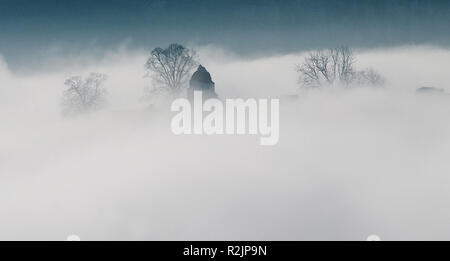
{"points": [[349, 163]]}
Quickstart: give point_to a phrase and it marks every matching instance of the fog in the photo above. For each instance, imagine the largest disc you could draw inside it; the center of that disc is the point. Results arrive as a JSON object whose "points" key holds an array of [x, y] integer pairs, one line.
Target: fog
{"points": [[349, 163]]}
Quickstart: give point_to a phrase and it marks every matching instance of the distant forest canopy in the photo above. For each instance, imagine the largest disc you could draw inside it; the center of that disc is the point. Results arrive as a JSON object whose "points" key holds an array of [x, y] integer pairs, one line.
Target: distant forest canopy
{"points": [[246, 27]]}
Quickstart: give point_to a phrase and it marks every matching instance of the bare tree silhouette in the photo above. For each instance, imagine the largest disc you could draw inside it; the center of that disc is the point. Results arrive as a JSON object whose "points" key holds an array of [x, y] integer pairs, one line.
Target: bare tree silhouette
{"points": [[84, 95], [334, 67], [369, 77], [171, 67]]}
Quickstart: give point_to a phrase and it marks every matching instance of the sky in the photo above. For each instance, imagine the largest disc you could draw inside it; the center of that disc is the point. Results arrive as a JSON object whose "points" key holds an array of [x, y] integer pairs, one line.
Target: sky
{"points": [[29, 30]]}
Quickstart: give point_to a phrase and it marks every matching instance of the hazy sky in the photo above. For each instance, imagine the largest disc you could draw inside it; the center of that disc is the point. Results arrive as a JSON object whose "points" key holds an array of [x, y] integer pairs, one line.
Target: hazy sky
{"points": [[29, 28]]}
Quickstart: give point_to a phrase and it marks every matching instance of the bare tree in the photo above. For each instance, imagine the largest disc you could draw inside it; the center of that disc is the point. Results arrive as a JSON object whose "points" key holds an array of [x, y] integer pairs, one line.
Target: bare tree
{"points": [[171, 67], [327, 67], [368, 77], [334, 67], [84, 95]]}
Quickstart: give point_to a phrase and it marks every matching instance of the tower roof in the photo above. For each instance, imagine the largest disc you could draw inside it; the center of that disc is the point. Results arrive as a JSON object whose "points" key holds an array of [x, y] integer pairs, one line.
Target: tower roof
{"points": [[201, 76]]}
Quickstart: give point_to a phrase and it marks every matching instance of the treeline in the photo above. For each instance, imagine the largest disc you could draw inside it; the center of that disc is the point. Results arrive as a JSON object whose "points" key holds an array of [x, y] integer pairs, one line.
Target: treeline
{"points": [[170, 69]]}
